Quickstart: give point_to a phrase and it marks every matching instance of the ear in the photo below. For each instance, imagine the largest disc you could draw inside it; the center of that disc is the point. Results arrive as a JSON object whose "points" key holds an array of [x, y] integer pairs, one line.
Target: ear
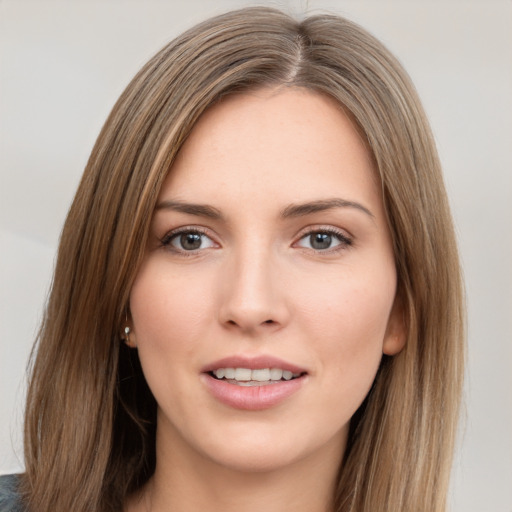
{"points": [[396, 331]]}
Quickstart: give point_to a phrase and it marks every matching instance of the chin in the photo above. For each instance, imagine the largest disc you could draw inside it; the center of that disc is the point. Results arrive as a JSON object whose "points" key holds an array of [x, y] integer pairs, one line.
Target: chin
{"points": [[256, 458], [263, 451]]}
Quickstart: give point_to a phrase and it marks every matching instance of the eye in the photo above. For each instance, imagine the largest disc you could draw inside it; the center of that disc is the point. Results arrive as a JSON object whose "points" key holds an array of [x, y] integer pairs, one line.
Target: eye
{"points": [[188, 240], [323, 240]]}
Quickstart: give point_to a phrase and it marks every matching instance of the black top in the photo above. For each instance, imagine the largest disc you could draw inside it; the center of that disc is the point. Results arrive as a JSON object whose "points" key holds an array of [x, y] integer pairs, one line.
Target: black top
{"points": [[9, 497]]}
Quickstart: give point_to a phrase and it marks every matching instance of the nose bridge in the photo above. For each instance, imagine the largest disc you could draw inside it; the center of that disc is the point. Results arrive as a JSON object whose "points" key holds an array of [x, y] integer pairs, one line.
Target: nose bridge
{"points": [[253, 296]]}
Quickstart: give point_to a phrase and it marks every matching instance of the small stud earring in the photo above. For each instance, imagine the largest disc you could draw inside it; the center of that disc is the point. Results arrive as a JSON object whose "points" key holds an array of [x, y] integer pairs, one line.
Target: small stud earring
{"points": [[127, 336]]}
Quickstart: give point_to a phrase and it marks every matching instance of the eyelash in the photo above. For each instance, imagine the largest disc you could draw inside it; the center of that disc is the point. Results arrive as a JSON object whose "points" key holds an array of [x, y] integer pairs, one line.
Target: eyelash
{"points": [[169, 237], [343, 239]]}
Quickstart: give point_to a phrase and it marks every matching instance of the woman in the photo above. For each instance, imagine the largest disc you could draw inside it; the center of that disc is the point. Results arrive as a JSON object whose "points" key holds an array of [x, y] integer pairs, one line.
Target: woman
{"points": [[257, 299]]}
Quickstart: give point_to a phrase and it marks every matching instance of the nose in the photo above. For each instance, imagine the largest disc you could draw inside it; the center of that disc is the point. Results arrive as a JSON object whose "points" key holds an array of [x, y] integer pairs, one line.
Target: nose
{"points": [[253, 298]]}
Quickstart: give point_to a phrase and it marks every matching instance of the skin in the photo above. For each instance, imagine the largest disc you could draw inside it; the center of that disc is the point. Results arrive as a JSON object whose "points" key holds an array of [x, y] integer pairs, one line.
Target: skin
{"points": [[258, 284]]}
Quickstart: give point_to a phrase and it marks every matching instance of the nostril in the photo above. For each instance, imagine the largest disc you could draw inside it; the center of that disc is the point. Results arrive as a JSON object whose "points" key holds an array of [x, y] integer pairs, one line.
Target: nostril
{"points": [[234, 323]]}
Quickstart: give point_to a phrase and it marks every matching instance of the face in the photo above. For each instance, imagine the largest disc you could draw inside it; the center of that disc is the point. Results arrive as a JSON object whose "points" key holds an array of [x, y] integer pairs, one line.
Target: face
{"points": [[266, 297]]}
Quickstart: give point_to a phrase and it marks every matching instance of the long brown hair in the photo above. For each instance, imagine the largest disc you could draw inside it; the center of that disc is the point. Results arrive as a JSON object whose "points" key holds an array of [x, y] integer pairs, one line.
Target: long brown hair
{"points": [[90, 417]]}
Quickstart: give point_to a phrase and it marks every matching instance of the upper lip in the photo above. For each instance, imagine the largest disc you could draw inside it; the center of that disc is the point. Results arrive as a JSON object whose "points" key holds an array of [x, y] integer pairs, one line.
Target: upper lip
{"points": [[253, 363]]}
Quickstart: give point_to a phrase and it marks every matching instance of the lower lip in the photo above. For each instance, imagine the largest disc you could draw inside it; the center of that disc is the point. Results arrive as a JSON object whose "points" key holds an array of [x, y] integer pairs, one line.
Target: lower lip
{"points": [[252, 398]]}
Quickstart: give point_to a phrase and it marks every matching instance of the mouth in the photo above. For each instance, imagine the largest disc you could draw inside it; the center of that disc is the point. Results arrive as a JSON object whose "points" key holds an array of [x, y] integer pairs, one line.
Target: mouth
{"points": [[254, 377], [253, 383]]}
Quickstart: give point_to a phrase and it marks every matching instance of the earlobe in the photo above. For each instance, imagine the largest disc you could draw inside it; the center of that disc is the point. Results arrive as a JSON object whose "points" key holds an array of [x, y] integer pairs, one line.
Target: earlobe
{"points": [[396, 331]]}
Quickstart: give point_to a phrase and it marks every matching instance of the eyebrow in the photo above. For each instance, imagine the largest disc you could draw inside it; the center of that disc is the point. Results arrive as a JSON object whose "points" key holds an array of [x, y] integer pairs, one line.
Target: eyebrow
{"points": [[202, 210], [300, 210], [292, 210]]}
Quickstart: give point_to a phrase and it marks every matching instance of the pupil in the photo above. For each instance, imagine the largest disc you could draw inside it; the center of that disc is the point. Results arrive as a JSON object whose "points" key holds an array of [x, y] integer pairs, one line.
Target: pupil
{"points": [[190, 241], [321, 241]]}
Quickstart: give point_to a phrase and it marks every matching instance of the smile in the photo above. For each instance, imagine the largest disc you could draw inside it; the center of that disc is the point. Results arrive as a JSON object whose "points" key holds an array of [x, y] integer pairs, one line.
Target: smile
{"points": [[253, 377], [253, 383]]}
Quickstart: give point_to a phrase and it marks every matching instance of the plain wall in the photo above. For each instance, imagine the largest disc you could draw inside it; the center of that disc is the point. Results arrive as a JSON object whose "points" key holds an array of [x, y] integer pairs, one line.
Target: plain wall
{"points": [[62, 66]]}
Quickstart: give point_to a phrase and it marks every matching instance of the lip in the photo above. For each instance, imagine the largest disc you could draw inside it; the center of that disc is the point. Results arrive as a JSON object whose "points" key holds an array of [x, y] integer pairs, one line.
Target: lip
{"points": [[252, 398]]}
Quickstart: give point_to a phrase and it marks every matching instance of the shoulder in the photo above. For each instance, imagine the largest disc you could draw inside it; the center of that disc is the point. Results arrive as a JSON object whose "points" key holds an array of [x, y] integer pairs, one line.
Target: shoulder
{"points": [[9, 497]]}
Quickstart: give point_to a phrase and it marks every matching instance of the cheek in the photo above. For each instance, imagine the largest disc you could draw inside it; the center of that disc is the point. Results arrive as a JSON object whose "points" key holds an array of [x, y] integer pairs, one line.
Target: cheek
{"points": [[347, 322], [169, 311], [351, 350], [350, 307], [169, 315]]}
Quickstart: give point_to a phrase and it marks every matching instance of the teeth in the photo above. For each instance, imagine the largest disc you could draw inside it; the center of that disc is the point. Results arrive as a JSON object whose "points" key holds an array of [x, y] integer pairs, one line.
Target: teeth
{"points": [[243, 374], [276, 374], [258, 375]]}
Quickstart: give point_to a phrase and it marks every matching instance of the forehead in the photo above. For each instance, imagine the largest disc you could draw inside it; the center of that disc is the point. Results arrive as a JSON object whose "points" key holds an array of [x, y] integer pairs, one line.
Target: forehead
{"points": [[289, 144]]}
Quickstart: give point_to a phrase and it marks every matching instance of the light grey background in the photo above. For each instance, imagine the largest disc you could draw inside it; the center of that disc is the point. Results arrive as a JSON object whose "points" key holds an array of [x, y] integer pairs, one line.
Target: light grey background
{"points": [[63, 64]]}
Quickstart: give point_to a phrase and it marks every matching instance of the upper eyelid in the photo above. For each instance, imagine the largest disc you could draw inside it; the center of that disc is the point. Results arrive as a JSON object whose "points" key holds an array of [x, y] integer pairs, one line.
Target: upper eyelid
{"points": [[169, 235], [318, 228], [185, 229]]}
